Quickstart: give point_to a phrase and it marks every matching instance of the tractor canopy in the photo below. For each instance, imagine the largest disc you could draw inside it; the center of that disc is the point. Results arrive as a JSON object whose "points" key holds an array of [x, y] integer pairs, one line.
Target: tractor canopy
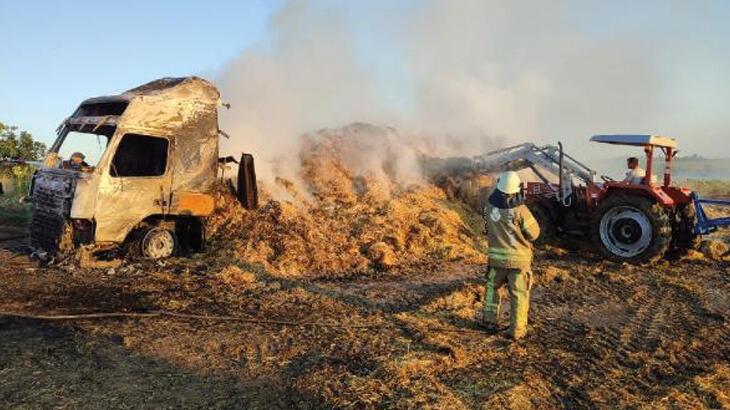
{"points": [[636, 140]]}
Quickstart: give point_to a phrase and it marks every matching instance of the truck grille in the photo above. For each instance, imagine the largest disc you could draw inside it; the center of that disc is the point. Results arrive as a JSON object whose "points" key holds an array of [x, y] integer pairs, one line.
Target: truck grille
{"points": [[51, 203]]}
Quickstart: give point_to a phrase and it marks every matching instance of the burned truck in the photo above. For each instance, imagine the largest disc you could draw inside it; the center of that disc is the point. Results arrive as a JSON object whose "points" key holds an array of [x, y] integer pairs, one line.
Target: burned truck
{"points": [[153, 184]]}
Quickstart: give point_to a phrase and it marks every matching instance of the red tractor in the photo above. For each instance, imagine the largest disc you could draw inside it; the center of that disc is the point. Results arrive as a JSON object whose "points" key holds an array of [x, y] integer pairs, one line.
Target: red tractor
{"points": [[632, 222]]}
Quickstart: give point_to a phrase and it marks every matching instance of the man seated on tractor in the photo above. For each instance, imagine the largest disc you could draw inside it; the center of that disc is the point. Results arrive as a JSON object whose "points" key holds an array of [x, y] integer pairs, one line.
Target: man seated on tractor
{"points": [[636, 174]]}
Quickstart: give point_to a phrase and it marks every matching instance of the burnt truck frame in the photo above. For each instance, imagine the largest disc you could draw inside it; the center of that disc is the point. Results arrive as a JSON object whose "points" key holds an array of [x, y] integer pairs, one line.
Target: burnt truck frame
{"points": [[153, 184]]}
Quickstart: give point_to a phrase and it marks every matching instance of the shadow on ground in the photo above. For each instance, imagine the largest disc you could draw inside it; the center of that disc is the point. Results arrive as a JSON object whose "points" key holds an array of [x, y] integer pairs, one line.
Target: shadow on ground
{"points": [[44, 366]]}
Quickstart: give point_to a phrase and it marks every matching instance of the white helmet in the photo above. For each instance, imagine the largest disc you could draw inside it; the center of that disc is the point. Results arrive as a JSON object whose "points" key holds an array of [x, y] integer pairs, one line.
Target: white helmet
{"points": [[509, 182]]}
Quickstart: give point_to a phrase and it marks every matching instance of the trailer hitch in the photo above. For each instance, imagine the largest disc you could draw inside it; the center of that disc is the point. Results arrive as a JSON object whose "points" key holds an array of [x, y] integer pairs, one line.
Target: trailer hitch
{"points": [[705, 225]]}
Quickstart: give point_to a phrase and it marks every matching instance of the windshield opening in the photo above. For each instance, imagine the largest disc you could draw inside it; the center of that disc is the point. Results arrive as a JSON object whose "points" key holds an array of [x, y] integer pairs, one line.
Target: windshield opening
{"points": [[81, 151]]}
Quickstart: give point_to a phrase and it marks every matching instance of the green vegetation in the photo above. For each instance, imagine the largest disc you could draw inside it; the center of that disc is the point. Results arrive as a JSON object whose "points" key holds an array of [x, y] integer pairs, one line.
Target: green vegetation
{"points": [[19, 145], [13, 211], [18, 175], [16, 146]]}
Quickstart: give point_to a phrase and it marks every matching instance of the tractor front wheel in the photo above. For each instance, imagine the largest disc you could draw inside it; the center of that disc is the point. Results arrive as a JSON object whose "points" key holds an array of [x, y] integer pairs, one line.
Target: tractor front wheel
{"points": [[683, 237], [547, 224], [631, 228]]}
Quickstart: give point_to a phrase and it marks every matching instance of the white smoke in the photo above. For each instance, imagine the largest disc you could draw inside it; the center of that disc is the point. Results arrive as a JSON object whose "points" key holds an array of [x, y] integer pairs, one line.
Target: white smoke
{"points": [[462, 75]]}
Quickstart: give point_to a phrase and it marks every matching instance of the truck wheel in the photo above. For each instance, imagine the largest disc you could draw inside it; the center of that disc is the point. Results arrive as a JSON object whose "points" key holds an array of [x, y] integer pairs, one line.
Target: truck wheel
{"points": [[631, 228], [159, 243], [548, 228], [683, 239]]}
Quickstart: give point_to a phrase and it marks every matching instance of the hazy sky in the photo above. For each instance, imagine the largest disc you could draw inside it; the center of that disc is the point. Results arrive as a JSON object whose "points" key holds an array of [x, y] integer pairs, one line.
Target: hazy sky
{"points": [[515, 70]]}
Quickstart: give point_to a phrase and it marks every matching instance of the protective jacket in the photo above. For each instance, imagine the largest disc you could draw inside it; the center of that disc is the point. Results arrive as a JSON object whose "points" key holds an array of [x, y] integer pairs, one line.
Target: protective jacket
{"points": [[510, 230]]}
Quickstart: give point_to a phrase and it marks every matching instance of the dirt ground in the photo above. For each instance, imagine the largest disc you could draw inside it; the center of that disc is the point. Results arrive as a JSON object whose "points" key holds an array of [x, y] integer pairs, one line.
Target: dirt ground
{"points": [[602, 335]]}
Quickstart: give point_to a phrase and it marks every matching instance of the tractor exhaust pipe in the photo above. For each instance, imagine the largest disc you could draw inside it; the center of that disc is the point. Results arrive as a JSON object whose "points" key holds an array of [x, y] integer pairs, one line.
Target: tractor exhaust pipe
{"points": [[560, 171], [565, 200]]}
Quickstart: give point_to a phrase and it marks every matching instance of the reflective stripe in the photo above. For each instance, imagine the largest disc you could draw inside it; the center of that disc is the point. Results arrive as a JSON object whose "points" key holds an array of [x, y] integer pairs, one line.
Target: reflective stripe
{"points": [[510, 251], [510, 258], [530, 223], [504, 254], [488, 305], [502, 257]]}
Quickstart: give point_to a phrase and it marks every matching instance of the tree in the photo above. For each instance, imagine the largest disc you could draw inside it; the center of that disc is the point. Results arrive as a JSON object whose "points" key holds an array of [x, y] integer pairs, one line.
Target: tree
{"points": [[19, 145]]}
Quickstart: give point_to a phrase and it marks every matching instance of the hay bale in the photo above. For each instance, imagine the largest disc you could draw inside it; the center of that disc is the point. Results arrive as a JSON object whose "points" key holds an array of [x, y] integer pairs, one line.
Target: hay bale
{"points": [[382, 256], [552, 273], [714, 249], [474, 190], [694, 255], [342, 218], [233, 275]]}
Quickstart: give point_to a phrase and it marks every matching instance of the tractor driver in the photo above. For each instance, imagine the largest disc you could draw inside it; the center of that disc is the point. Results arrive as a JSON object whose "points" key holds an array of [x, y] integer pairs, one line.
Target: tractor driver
{"points": [[76, 163], [636, 174]]}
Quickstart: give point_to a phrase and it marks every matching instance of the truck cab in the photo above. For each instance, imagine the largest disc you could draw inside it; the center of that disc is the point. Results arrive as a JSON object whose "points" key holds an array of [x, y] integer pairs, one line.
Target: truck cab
{"points": [[153, 182]]}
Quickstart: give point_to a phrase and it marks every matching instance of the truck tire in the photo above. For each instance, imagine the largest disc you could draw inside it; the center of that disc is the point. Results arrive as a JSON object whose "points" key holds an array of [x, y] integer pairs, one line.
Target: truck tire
{"points": [[548, 227], [631, 228], [683, 237], [158, 243]]}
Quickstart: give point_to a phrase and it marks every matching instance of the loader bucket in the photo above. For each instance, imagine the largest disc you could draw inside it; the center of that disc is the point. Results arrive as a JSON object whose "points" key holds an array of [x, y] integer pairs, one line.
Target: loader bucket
{"points": [[247, 191]]}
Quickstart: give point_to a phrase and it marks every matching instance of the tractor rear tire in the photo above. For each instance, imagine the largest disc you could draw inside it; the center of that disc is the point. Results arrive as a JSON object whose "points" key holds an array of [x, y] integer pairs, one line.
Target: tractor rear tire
{"points": [[631, 228], [548, 227], [683, 237]]}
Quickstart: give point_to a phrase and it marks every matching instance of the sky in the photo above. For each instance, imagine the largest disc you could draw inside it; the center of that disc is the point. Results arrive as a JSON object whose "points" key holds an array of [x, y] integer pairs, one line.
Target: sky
{"points": [[55, 54], [472, 70]]}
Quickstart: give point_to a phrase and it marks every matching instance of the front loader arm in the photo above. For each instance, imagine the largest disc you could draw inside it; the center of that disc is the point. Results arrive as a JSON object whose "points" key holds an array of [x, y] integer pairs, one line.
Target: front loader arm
{"points": [[548, 162]]}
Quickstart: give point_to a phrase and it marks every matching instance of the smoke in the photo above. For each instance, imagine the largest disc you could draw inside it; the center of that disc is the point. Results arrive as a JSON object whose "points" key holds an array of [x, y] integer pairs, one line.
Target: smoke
{"points": [[307, 77], [456, 77]]}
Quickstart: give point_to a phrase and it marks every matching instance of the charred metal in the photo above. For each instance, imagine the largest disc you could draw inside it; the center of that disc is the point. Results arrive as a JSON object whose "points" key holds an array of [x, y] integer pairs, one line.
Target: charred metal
{"points": [[152, 184]]}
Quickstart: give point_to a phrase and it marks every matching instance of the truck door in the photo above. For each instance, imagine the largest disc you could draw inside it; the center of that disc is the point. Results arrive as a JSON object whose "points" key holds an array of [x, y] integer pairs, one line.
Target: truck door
{"points": [[136, 185]]}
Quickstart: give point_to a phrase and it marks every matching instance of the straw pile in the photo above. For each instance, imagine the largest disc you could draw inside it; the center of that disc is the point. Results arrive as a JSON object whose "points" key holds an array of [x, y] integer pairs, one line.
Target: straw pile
{"points": [[352, 213]]}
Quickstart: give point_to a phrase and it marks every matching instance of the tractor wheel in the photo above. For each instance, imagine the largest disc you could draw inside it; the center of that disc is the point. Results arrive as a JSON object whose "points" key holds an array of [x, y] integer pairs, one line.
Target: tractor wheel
{"points": [[683, 239], [631, 228], [159, 243], [548, 228]]}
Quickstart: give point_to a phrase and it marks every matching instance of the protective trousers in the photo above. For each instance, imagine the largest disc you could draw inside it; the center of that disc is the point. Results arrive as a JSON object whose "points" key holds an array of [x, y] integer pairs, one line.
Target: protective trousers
{"points": [[519, 282]]}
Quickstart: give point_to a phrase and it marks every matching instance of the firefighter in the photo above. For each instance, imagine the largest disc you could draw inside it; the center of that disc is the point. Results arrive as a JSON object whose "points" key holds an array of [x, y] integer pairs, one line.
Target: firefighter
{"points": [[511, 229], [76, 162], [636, 174]]}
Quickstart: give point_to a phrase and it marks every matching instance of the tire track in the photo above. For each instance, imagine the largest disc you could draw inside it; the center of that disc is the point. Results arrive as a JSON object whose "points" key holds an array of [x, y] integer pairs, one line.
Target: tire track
{"points": [[623, 328]]}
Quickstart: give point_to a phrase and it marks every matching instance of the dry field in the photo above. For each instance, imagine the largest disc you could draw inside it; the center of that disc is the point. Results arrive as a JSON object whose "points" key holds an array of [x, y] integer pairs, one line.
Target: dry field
{"points": [[363, 297], [602, 335]]}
